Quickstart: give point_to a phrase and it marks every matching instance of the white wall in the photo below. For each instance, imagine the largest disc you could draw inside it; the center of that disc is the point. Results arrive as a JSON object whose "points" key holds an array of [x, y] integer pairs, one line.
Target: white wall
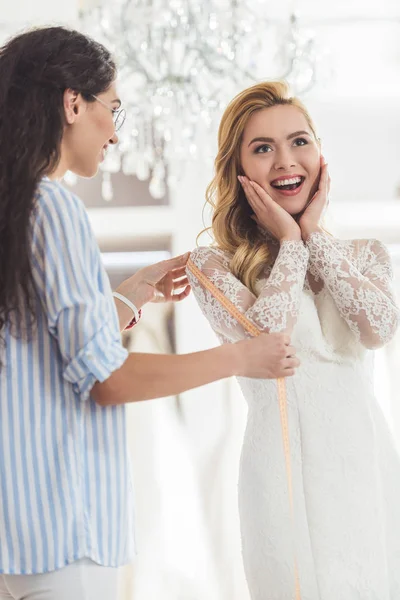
{"points": [[37, 12]]}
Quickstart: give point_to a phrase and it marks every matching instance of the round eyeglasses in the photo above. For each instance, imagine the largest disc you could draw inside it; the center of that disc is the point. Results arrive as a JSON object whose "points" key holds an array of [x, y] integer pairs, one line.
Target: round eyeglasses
{"points": [[119, 114]]}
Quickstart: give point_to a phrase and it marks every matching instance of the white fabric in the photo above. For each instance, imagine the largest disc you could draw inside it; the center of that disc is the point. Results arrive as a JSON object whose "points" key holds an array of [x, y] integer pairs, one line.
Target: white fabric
{"points": [[81, 580], [335, 297]]}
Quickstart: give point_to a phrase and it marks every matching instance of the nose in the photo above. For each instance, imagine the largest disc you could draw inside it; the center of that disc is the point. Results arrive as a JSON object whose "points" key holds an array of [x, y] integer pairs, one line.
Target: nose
{"points": [[284, 159], [114, 139]]}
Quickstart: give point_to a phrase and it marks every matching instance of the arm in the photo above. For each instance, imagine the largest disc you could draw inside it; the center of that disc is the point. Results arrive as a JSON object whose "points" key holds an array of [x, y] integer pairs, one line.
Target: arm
{"points": [[74, 289], [149, 376], [76, 299], [275, 309], [363, 297], [124, 314]]}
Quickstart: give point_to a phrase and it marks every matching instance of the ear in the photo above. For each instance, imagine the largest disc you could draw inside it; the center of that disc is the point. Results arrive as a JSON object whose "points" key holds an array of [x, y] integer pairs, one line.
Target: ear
{"points": [[73, 105]]}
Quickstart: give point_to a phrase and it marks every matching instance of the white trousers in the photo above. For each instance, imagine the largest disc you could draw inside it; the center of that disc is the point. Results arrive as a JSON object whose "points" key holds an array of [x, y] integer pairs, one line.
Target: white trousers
{"points": [[81, 580]]}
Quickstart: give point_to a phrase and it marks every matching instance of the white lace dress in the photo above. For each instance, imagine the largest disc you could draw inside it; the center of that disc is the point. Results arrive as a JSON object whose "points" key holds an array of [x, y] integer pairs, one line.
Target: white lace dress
{"points": [[334, 297]]}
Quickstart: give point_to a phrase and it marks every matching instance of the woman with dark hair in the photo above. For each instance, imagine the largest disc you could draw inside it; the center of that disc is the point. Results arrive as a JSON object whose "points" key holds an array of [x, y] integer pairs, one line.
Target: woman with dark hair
{"points": [[65, 490]]}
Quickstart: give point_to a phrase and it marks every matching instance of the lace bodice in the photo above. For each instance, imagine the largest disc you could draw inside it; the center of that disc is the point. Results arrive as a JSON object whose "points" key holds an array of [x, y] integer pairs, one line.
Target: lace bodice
{"points": [[357, 275]]}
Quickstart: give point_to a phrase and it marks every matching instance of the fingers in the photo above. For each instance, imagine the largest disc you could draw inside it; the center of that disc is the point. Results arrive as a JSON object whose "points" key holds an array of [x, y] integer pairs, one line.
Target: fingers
{"points": [[289, 367], [262, 194], [180, 283], [256, 195], [288, 373], [175, 279], [250, 194], [291, 363], [325, 179], [176, 262], [181, 295], [290, 351], [282, 337], [177, 273], [174, 268]]}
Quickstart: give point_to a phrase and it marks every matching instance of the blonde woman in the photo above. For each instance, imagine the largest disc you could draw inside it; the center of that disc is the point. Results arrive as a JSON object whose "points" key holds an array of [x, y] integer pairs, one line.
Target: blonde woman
{"points": [[275, 262]]}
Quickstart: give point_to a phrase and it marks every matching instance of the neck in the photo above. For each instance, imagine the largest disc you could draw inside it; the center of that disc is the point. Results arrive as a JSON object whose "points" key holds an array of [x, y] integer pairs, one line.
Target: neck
{"points": [[61, 168]]}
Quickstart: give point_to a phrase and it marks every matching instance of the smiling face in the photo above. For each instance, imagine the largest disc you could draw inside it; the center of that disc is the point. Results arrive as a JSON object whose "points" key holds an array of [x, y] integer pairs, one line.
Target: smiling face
{"points": [[89, 130], [279, 152]]}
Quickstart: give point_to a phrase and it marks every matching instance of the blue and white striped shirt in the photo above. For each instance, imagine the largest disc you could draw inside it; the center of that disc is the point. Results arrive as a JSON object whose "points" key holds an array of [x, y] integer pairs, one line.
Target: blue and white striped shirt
{"points": [[65, 482]]}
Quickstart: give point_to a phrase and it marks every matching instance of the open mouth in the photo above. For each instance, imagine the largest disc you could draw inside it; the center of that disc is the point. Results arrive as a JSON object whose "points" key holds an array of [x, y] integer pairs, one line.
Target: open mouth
{"points": [[288, 185]]}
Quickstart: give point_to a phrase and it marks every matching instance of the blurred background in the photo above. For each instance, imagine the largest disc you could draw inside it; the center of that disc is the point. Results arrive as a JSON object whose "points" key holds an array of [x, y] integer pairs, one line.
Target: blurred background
{"points": [[180, 62]]}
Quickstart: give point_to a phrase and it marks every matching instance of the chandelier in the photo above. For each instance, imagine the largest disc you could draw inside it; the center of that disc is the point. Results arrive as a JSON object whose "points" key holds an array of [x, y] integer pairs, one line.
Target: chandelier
{"points": [[180, 63]]}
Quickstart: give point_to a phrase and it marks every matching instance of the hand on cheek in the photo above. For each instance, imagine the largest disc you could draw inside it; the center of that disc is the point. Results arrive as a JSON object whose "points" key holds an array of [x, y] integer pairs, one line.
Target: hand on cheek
{"points": [[311, 218]]}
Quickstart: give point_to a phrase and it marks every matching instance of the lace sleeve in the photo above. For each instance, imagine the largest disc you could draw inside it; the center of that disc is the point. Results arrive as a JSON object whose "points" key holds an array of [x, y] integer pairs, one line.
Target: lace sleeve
{"points": [[362, 294], [275, 309]]}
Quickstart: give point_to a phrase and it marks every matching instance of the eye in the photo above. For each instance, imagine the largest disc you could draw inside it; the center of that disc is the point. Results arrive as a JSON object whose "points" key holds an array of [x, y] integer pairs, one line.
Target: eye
{"points": [[263, 149], [300, 142]]}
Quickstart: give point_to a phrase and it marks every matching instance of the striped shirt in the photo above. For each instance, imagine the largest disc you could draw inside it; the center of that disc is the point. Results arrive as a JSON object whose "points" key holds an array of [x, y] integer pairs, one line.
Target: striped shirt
{"points": [[65, 484]]}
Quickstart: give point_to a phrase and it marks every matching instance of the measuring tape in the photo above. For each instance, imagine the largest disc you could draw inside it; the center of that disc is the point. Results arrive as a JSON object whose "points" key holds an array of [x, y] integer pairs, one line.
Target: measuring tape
{"points": [[254, 331]]}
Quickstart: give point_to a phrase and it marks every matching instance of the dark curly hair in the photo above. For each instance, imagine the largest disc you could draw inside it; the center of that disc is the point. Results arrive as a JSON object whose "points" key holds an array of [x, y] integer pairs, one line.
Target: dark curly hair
{"points": [[36, 67]]}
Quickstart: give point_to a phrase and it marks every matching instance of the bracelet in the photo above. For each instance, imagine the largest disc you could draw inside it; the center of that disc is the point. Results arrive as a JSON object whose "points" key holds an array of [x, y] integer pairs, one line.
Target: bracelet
{"points": [[134, 322], [136, 312]]}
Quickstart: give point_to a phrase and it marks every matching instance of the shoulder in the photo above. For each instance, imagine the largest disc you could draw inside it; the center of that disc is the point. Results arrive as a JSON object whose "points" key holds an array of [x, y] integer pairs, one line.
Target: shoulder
{"points": [[210, 257], [59, 208], [52, 197]]}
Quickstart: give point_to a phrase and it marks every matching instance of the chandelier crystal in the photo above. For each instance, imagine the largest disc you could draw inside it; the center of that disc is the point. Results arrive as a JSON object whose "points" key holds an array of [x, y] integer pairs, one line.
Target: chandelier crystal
{"points": [[180, 62]]}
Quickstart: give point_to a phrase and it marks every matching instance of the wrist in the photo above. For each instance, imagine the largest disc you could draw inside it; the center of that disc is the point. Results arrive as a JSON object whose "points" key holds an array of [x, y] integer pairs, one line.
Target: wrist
{"points": [[134, 291], [307, 229], [233, 358], [128, 313], [238, 358], [291, 238]]}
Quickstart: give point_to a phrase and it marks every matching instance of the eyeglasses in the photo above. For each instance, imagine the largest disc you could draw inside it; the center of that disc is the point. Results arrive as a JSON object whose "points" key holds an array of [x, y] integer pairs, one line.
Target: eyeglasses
{"points": [[119, 114]]}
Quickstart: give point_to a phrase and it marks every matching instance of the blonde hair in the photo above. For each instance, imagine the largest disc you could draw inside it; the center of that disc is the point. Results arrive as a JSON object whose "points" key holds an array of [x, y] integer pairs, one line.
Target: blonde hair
{"points": [[232, 227]]}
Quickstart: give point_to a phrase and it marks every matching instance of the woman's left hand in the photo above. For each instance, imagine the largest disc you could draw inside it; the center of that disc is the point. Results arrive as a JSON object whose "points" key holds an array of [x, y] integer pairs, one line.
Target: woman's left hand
{"points": [[309, 221], [162, 282]]}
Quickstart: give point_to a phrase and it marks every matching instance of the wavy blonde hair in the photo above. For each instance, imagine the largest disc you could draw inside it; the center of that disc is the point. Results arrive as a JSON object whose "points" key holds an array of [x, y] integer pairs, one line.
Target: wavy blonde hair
{"points": [[232, 227]]}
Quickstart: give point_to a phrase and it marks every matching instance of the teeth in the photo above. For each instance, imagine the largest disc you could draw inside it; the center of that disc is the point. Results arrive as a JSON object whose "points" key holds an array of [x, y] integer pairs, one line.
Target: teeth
{"points": [[288, 181]]}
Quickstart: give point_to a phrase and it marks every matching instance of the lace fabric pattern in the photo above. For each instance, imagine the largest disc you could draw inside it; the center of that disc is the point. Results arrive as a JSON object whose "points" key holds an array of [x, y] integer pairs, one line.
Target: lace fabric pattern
{"points": [[334, 298]]}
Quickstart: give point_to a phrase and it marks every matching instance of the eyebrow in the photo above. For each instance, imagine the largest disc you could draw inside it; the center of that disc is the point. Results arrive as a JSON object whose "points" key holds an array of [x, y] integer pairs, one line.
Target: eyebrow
{"points": [[289, 137]]}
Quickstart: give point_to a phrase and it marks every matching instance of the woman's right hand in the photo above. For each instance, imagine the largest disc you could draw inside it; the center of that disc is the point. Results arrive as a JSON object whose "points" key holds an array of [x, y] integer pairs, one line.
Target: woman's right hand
{"points": [[268, 214], [268, 356]]}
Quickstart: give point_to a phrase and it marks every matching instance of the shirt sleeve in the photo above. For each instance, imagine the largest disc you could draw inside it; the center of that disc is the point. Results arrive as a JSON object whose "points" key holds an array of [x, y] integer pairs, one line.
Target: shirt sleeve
{"points": [[69, 278]]}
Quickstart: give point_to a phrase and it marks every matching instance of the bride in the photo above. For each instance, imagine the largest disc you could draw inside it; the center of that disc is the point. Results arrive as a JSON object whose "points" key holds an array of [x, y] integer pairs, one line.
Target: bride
{"points": [[273, 260]]}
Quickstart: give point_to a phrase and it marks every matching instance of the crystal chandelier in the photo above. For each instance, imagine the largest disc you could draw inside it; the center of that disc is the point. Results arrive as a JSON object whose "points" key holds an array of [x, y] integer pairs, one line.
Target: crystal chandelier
{"points": [[180, 62]]}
